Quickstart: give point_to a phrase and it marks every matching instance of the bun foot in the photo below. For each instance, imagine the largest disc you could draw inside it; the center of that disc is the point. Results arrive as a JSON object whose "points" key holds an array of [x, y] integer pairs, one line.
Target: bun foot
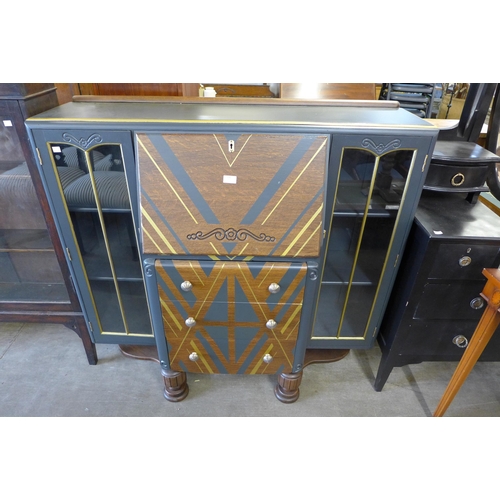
{"points": [[287, 388], [176, 387]]}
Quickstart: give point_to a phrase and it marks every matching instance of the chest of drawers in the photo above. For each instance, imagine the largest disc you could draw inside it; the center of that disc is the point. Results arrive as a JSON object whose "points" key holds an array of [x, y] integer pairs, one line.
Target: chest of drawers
{"points": [[436, 304]]}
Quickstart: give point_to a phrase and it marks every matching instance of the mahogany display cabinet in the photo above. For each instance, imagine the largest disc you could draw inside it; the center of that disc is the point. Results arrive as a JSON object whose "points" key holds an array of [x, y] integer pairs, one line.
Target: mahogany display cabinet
{"points": [[35, 282], [233, 235]]}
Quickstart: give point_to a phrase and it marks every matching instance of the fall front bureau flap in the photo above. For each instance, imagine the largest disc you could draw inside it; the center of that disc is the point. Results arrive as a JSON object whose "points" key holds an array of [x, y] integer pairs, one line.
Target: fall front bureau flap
{"points": [[232, 194]]}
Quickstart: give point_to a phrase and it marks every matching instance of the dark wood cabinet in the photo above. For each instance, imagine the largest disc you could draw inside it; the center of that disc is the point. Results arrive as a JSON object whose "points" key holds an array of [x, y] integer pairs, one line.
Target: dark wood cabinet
{"points": [[35, 283], [435, 304]]}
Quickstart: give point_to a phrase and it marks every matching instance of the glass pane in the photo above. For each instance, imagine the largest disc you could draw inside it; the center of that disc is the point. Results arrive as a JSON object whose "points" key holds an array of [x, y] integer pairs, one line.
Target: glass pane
{"points": [[365, 212], [29, 270], [96, 194]]}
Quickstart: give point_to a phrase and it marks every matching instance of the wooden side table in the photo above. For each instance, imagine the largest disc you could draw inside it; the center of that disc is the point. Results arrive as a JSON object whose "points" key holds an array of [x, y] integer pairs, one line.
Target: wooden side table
{"points": [[486, 327]]}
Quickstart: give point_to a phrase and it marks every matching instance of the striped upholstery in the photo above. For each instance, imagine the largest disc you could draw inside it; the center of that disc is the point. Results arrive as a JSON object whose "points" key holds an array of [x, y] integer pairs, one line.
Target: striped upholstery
{"points": [[104, 163], [69, 174], [111, 189], [71, 157]]}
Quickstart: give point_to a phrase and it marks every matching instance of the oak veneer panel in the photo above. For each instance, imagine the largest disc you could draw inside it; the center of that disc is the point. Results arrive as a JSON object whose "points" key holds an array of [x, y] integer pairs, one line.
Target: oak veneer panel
{"points": [[231, 305], [274, 207]]}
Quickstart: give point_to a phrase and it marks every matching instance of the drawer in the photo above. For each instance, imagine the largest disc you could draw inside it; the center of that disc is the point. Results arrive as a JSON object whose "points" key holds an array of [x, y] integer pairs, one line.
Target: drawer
{"points": [[232, 194], [451, 301], [462, 261], [426, 341], [222, 321]]}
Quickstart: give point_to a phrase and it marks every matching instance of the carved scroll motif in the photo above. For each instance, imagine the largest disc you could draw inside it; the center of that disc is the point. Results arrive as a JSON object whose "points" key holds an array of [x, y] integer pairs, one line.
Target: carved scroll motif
{"points": [[381, 148], [230, 234], [84, 143]]}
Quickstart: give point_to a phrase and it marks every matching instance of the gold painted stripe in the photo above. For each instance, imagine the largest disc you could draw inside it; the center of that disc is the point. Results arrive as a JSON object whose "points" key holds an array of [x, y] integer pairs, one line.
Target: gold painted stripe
{"points": [[157, 229], [223, 152], [106, 241], [267, 274], [259, 363], [210, 289], [202, 358], [358, 245], [259, 304], [196, 273], [332, 125], [295, 181], [309, 222], [308, 239], [215, 249], [243, 249], [290, 333], [152, 239], [170, 313], [291, 318], [167, 181]]}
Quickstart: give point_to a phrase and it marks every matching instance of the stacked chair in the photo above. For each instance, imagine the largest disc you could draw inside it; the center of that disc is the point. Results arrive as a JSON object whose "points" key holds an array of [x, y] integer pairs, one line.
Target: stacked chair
{"points": [[417, 98]]}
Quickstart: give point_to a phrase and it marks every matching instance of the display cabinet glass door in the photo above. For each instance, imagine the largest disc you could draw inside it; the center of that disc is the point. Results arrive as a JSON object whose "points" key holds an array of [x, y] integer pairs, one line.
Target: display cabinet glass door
{"points": [[29, 270], [367, 228], [89, 187]]}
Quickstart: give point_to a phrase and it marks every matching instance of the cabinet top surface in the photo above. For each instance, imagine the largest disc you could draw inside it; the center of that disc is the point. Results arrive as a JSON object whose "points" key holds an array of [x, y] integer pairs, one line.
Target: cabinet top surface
{"points": [[342, 116], [450, 215]]}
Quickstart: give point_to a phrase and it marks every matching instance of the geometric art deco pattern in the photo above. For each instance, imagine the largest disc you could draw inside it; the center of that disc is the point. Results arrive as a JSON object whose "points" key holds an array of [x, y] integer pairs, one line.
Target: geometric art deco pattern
{"points": [[231, 304], [232, 194]]}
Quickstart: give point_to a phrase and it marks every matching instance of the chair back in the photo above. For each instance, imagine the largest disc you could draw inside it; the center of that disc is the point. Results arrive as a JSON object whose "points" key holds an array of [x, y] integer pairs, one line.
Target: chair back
{"points": [[476, 106], [494, 123]]}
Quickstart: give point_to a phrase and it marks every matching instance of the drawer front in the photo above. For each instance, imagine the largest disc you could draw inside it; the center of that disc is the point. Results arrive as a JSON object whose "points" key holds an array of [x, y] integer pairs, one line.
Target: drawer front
{"points": [[462, 261], [224, 320], [232, 194], [434, 341], [451, 301]]}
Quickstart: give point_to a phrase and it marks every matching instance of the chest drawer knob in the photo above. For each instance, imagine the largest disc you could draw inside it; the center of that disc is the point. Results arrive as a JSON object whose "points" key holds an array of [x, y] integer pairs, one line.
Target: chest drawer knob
{"points": [[464, 261], [194, 356], [477, 303], [460, 341], [271, 324], [274, 288], [267, 358], [190, 322], [186, 286]]}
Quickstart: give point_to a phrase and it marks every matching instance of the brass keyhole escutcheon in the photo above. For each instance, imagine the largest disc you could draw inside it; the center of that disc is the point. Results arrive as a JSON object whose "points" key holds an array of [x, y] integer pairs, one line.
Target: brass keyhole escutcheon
{"points": [[458, 179]]}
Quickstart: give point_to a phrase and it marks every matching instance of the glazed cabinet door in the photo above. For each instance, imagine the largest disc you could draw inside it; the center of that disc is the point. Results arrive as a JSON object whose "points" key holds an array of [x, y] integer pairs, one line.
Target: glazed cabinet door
{"points": [[374, 186], [30, 276], [89, 176]]}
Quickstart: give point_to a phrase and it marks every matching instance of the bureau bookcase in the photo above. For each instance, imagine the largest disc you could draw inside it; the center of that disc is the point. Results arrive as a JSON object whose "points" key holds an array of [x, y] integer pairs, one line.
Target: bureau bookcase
{"points": [[234, 236]]}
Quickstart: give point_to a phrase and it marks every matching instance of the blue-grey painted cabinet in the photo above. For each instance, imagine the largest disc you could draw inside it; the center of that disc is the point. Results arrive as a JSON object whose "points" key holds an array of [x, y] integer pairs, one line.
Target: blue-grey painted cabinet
{"points": [[233, 236]]}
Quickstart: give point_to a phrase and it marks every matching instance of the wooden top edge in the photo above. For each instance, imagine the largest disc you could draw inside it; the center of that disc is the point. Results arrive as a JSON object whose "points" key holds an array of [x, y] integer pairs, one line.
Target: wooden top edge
{"points": [[239, 100]]}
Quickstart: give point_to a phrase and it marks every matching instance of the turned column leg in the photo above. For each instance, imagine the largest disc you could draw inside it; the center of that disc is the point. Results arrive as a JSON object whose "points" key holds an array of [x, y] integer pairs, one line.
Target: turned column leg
{"points": [[287, 388], [479, 340], [176, 387]]}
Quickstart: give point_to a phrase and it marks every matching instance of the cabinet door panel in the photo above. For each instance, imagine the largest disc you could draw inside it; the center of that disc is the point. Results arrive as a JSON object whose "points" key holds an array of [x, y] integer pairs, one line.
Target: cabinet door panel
{"points": [[232, 194], [86, 175]]}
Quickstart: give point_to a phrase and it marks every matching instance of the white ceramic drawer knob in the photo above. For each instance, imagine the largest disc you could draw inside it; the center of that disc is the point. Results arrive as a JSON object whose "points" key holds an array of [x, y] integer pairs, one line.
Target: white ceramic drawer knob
{"points": [[271, 324], [274, 288], [194, 356], [186, 286], [190, 322], [267, 358]]}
